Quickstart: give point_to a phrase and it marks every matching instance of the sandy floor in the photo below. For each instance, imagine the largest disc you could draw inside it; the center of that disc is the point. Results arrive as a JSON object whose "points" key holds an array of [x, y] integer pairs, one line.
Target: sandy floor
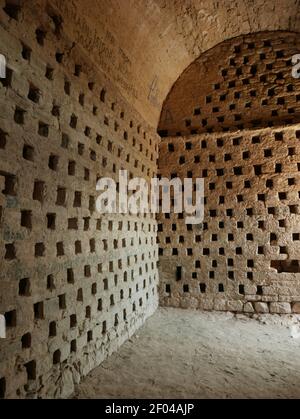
{"points": [[189, 354]]}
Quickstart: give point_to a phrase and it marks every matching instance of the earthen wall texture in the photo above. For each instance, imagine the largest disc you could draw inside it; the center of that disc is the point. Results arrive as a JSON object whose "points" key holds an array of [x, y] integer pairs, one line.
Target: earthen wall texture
{"points": [[245, 257], [74, 284], [146, 45], [242, 83]]}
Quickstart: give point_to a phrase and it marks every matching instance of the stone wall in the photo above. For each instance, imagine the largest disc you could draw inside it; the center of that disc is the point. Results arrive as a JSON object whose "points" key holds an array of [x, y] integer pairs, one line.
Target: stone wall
{"points": [[84, 89], [244, 82], [245, 256], [74, 284]]}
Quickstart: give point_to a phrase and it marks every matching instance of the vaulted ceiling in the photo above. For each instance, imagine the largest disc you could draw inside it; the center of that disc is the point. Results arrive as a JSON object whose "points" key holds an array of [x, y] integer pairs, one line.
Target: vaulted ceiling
{"points": [[145, 45]]}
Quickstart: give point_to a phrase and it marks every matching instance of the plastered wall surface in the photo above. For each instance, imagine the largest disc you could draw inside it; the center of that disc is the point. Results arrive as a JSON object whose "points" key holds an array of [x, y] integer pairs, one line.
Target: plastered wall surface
{"points": [[245, 256], [144, 46], [85, 86]]}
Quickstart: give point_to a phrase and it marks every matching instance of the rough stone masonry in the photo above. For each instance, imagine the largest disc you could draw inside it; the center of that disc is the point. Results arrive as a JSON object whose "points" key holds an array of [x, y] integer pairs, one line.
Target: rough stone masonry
{"points": [[246, 255], [74, 284], [81, 100]]}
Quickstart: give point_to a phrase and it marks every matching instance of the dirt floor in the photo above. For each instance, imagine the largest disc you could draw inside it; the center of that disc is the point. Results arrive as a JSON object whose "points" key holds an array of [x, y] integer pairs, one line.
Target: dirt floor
{"points": [[190, 354]]}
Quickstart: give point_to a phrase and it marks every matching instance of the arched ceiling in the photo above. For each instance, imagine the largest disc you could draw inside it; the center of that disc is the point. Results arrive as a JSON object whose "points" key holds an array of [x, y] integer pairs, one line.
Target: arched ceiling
{"points": [[243, 82], [145, 45]]}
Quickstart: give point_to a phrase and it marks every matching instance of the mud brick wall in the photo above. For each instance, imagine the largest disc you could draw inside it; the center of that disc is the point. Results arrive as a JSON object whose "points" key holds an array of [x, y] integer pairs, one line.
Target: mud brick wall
{"points": [[246, 255], [74, 284], [244, 82]]}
